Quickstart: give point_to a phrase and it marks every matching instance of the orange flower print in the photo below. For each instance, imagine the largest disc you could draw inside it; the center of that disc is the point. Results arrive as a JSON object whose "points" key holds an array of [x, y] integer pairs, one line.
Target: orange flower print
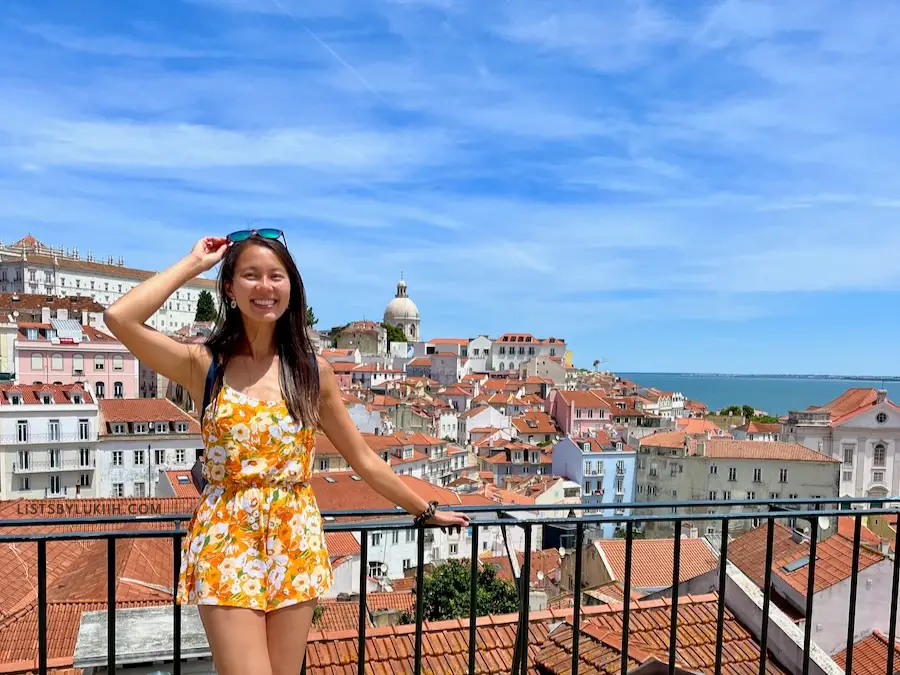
{"points": [[255, 539]]}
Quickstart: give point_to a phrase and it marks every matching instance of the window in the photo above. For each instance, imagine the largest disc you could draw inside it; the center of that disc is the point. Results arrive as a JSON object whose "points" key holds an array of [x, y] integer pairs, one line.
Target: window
{"points": [[117, 458], [620, 467], [98, 362], [84, 430], [726, 495], [587, 487], [84, 480], [377, 569], [78, 364], [22, 431], [24, 483], [454, 549], [118, 427], [118, 390], [878, 476], [793, 495], [55, 461], [879, 455], [139, 458], [140, 489], [56, 361], [84, 457], [181, 427], [37, 362], [179, 456], [140, 427], [375, 538], [159, 457], [100, 390], [55, 487], [751, 495], [24, 459], [117, 362], [395, 537], [757, 475], [407, 564], [881, 418], [732, 474], [713, 470], [410, 536], [847, 476], [713, 495], [118, 489], [848, 456], [782, 475], [54, 430]]}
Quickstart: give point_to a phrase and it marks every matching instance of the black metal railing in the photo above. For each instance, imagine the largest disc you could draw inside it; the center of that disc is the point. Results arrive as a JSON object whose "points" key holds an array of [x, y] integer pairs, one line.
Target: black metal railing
{"points": [[767, 511]]}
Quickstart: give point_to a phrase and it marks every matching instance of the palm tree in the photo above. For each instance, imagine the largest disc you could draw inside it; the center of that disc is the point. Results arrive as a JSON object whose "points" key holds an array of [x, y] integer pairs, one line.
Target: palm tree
{"points": [[596, 364]]}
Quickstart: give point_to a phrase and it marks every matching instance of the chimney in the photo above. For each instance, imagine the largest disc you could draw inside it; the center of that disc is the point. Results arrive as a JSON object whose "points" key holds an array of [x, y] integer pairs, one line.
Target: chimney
{"points": [[701, 449], [62, 313], [45, 315], [881, 396]]}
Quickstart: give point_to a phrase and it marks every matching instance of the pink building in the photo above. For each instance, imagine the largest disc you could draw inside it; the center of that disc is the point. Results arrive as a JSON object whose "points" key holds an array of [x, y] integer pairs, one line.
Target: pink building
{"points": [[577, 411], [63, 351]]}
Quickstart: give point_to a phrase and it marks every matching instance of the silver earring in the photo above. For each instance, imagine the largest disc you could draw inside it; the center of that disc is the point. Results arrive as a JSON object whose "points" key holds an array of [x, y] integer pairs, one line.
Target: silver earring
{"points": [[232, 304]]}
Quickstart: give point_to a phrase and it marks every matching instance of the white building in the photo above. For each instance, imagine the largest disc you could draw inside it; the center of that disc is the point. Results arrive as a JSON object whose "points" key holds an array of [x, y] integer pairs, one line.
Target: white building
{"points": [[139, 438], [511, 350], [669, 405], [29, 266], [861, 428], [447, 368], [448, 424], [48, 441], [368, 420], [372, 374], [480, 354], [403, 313], [480, 418]]}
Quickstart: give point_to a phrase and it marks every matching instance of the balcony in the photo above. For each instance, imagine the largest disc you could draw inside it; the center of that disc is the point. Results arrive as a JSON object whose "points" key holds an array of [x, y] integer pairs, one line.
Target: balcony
{"points": [[30, 438], [47, 466], [714, 633]]}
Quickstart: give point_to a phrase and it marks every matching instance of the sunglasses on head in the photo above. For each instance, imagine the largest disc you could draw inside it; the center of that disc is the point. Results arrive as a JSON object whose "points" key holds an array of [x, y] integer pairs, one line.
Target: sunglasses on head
{"points": [[265, 233]]}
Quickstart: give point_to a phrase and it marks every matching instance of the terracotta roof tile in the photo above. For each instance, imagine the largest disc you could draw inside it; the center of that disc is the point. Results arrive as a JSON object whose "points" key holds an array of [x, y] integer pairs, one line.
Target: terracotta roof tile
{"points": [[673, 440], [730, 449], [748, 552], [182, 483], [143, 410], [33, 302], [583, 399], [652, 560], [341, 544], [546, 561], [31, 393], [834, 563], [535, 423], [869, 655]]}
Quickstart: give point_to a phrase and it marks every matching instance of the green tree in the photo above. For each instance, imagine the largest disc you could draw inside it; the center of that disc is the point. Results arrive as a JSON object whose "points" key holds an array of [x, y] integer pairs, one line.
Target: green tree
{"points": [[766, 419], [206, 308], [311, 318], [748, 411], [446, 593], [394, 333], [317, 613]]}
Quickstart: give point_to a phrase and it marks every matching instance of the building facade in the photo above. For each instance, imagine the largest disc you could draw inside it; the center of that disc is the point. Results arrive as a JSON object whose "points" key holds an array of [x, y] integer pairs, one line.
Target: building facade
{"points": [[48, 441], [861, 430], [578, 412], [511, 350], [29, 266], [139, 439], [606, 470], [403, 313]]}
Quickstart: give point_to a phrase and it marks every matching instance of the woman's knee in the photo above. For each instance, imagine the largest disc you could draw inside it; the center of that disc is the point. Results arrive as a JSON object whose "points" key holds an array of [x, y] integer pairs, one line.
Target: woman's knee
{"points": [[237, 639]]}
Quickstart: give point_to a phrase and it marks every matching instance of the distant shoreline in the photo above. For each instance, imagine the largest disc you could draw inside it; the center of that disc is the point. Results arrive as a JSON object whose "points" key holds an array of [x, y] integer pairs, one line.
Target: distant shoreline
{"points": [[777, 376]]}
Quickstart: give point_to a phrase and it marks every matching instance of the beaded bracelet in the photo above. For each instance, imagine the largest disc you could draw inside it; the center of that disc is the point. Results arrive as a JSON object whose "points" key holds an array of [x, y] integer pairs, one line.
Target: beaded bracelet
{"points": [[426, 514]]}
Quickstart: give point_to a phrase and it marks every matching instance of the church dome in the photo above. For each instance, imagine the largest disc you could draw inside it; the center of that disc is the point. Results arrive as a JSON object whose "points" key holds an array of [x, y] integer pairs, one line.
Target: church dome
{"points": [[401, 308]]}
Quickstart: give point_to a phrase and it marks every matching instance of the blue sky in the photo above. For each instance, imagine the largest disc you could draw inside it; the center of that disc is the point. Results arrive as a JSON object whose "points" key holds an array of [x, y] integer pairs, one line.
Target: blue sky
{"points": [[673, 186]]}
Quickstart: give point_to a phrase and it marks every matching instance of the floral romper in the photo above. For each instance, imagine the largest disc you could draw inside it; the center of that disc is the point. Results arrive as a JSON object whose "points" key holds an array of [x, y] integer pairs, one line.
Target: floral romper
{"points": [[256, 538]]}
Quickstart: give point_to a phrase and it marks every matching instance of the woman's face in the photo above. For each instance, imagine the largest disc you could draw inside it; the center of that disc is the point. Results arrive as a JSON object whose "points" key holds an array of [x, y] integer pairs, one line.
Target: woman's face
{"points": [[261, 286]]}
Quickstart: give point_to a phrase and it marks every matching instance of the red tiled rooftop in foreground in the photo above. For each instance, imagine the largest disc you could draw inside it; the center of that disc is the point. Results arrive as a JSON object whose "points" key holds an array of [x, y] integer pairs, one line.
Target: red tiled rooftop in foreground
{"points": [[869, 655], [445, 643], [182, 483], [652, 560]]}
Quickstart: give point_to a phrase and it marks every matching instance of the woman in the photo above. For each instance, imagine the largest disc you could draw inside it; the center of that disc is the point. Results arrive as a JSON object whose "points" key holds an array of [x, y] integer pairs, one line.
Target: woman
{"points": [[254, 558]]}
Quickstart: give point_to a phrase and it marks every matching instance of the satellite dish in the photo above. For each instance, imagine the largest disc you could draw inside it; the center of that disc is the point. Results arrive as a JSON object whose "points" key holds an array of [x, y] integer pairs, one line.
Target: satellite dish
{"points": [[562, 551], [540, 575], [15, 312], [824, 522]]}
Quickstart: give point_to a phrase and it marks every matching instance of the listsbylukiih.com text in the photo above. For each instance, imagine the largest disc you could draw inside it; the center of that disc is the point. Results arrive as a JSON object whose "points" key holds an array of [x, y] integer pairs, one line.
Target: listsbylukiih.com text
{"points": [[74, 509]]}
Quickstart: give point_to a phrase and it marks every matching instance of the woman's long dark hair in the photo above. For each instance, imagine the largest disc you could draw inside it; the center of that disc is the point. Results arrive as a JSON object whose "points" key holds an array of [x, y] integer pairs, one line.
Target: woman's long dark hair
{"points": [[298, 372]]}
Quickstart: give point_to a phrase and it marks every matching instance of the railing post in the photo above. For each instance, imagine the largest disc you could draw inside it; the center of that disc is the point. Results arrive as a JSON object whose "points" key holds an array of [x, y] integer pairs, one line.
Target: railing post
{"points": [[176, 608], [676, 578], [473, 595], [420, 598], [525, 574], [854, 582], [767, 596], [363, 609], [723, 577], [626, 615], [111, 604], [42, 606], [576, 616], [895, 581], [810, 591]]}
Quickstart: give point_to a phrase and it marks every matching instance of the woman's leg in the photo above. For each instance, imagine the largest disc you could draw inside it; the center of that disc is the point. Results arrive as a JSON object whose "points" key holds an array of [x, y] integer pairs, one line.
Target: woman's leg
{"points": [[286, 630], [237, 637]]}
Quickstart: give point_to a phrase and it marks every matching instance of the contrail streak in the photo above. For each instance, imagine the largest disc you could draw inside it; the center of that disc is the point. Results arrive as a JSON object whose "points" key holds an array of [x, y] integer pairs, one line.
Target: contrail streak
{"points": [[331, 51]]}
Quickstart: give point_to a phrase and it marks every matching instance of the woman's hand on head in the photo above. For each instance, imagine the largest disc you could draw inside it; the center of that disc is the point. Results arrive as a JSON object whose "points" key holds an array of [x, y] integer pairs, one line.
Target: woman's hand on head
{"points": [[209, 251]]}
